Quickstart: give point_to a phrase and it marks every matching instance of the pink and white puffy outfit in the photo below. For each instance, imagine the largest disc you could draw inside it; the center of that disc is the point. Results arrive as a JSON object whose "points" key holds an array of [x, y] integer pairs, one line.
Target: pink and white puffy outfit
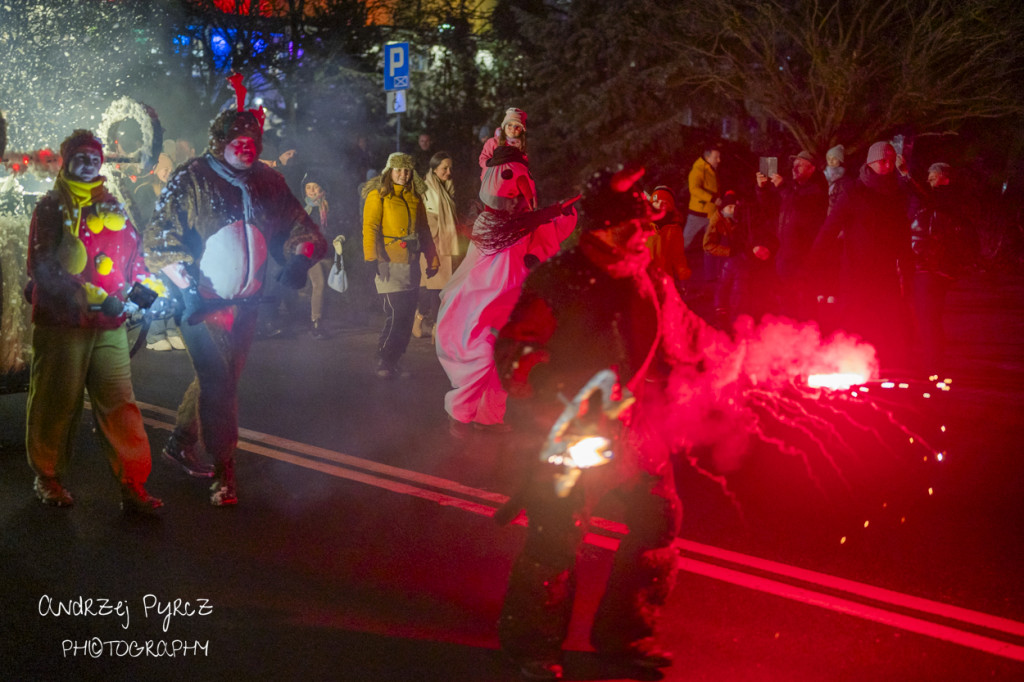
{"points": [[479, 298]]}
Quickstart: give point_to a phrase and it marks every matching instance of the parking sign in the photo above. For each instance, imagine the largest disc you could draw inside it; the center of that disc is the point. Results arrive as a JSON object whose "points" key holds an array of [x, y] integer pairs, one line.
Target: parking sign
{"points": [[396, 66]]}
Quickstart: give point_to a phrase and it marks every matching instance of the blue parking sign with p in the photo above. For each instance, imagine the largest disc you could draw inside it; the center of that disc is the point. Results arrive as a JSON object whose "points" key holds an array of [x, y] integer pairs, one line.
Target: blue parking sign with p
{"points": [[396, 66]]}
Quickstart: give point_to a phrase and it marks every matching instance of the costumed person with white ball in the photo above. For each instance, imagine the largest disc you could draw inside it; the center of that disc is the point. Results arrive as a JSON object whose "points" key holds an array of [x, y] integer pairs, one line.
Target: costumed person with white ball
{"points": [[219, 218]]}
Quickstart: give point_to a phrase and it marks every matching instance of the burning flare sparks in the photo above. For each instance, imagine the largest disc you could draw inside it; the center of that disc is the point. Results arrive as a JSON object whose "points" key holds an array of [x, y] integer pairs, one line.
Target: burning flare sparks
{"points": [[837, 382], [777, 393], [587, 452]]}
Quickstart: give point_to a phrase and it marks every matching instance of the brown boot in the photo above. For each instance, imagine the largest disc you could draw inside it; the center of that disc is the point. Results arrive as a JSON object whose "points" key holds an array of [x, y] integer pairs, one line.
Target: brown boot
{"points": [[417, 327]]}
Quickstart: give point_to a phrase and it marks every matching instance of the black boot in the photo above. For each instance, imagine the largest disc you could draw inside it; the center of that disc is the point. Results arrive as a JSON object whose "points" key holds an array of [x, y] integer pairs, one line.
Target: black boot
{"points": [[187, 457]]}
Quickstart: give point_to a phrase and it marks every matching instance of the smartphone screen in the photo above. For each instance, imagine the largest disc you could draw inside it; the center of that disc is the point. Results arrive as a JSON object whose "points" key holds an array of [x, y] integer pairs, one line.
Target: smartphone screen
{"points": [[769, 166], [897, 144]]}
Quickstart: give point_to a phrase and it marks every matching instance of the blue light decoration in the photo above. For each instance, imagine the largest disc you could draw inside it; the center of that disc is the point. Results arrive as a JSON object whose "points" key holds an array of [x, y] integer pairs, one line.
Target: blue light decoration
{"points": [[219, 43]]}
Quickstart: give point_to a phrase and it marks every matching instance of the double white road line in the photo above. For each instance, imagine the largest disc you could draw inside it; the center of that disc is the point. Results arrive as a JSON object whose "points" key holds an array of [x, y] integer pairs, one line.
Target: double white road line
{"points": [[981, 631]]}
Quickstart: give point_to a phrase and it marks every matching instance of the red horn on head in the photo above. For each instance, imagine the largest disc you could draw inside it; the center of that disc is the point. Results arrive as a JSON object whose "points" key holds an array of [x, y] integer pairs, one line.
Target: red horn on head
{"points": [[236, 82]]}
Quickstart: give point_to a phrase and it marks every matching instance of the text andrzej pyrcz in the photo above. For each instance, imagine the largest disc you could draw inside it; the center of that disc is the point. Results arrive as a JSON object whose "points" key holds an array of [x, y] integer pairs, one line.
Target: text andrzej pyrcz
{"points": [[150, 606]]}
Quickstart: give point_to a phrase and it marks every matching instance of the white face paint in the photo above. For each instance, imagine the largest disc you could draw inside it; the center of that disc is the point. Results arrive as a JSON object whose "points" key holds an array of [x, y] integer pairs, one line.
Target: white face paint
{"points": [[84, 165], [240, 153]]}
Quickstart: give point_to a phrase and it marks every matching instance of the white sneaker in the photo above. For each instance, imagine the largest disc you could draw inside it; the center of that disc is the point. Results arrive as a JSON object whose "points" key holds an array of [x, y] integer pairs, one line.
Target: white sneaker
{"points": [[177, 343], [162, 344]]}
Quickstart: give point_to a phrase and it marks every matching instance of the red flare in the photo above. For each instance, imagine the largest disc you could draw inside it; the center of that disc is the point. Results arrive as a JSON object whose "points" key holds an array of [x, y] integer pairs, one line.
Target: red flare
{"points": [[626, 178]]}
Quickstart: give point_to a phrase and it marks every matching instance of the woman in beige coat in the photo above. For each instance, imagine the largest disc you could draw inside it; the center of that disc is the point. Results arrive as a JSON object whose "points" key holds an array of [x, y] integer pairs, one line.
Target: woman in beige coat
{"points": [[439, 201]]}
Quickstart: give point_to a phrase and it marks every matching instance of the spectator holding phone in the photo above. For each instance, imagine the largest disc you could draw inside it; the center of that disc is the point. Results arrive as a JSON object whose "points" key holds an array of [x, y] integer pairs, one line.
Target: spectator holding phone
{"points": [[797, 209]]}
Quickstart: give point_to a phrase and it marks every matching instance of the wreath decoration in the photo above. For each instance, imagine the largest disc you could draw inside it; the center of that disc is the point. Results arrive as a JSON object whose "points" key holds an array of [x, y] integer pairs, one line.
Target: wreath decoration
{"points": [[127, 109]]}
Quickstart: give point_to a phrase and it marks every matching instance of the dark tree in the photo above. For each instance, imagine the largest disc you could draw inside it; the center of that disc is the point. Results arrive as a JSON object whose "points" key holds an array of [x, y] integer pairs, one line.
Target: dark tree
{"points": [[617, 79]]}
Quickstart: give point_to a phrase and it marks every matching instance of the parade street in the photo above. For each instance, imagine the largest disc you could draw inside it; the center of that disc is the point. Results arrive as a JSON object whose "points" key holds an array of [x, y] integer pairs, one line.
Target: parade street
{"points": [[363, 546]]}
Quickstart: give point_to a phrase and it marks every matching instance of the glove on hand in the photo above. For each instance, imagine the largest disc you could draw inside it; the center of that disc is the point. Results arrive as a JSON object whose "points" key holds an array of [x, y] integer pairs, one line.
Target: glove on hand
{"points": [[111, 306], [383, 270], [294, 273]]}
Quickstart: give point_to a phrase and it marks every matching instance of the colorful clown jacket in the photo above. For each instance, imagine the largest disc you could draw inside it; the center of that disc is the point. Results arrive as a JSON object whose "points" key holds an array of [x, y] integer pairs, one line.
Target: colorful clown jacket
{"points": [[82, 249], [225, 230]]}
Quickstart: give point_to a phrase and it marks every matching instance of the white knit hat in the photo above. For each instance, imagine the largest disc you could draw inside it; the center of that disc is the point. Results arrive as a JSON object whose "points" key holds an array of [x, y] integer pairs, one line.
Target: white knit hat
{"points": [[878, 150], [514, 115]]}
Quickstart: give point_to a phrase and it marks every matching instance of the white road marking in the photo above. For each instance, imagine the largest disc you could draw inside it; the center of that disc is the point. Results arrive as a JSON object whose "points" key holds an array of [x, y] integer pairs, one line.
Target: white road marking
{"points": [[345, 466]]}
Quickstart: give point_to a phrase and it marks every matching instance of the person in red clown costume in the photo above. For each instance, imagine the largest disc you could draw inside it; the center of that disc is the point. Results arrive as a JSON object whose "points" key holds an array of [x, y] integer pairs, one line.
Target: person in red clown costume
{"points": [[219, 218], [84, 255], [597, 306]]}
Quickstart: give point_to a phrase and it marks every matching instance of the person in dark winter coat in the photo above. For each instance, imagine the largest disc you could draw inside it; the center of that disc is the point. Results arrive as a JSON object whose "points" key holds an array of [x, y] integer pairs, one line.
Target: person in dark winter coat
{"points": [[736, 234], [944, 242], [595, 306], [798, 209], [218, 220], [83, 256], [870, 223], [835, 173]]}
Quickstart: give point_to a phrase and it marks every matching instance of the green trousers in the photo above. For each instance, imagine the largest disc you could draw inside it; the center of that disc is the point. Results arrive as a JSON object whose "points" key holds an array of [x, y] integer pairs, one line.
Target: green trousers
{"points": [[66, 362]]}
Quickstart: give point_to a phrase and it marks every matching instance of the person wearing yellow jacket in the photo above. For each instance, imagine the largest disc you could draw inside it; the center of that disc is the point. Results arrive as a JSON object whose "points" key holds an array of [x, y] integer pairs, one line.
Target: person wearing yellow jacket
{"points": [[395, 232], [703, 185]]}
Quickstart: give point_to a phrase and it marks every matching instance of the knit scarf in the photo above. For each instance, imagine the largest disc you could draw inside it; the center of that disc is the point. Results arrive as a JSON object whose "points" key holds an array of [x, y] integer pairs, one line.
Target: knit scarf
{"points": [[238, 178], [438, 199], [883, 184], [76, 195], [321, 207]]}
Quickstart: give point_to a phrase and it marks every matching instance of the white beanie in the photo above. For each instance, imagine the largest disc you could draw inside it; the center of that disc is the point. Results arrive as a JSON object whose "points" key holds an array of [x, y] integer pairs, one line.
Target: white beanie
{"points": [[878, 150], [514, 115]]}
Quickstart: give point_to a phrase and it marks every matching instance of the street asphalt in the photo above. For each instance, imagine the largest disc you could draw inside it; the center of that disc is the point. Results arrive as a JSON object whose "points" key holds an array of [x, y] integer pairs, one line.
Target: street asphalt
{"points": [[362, 547]]}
